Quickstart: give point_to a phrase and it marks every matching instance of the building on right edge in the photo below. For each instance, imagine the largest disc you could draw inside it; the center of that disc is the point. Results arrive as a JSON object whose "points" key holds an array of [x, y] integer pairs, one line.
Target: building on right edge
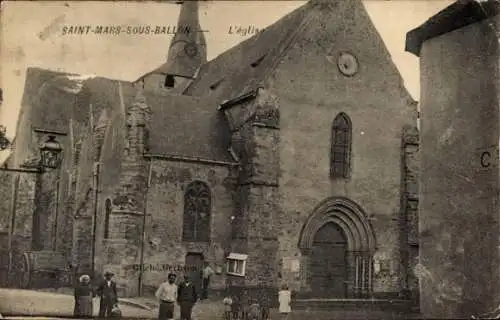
{"points": [[459, 204]]}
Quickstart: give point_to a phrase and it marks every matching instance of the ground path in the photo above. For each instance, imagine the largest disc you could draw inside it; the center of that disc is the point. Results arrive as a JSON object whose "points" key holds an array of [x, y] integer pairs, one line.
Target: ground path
{"points": [[30, 302]]}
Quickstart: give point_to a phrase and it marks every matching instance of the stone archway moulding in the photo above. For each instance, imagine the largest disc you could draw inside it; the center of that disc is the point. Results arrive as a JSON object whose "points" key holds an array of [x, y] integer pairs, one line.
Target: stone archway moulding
{"points": [[349, 216]]}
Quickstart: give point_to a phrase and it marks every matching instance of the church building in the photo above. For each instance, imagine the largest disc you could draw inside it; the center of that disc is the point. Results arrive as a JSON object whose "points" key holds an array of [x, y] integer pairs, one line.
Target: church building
{"points": [[290, 158]]}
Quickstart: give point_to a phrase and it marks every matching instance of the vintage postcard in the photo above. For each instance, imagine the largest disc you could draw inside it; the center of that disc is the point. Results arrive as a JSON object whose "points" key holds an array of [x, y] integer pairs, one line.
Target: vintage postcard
{"points": [[250, 160]]}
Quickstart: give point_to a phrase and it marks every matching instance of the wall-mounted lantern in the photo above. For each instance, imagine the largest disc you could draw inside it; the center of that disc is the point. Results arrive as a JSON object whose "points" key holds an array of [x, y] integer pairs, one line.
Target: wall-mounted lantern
{"points": [[50, 157], [51, 153]]}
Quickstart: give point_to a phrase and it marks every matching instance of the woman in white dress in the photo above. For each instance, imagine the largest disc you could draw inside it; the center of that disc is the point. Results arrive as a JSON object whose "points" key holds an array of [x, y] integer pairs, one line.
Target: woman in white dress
{"points": [[284, 297]]}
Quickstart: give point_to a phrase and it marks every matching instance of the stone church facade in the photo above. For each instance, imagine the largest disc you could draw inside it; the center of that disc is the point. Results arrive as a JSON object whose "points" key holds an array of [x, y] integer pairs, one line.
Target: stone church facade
{"points": [[289, 159]]}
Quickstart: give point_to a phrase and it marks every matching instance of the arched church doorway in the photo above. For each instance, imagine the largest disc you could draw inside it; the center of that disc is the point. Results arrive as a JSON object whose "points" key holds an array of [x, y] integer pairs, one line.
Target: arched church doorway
{"points": [[329, 262], [337, 244]]}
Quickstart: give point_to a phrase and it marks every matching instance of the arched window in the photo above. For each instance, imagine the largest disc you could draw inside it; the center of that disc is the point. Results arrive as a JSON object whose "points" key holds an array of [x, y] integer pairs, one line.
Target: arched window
{"points": [[106, 218], [197, 210], [340, 158]]}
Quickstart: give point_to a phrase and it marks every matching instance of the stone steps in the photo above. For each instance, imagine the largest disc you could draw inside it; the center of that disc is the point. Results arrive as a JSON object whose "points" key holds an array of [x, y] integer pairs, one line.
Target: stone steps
{"points": [[395, 305]]}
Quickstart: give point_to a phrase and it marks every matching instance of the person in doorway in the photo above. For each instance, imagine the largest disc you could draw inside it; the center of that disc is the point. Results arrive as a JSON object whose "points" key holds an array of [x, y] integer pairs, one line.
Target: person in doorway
{"points": [[108, 295], [186, 297], [284, 297], [83, 298], [167, 295], [206, 274]]}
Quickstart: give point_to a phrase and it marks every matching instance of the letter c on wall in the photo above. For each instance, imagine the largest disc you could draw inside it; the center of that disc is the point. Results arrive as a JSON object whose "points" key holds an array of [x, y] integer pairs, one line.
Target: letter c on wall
{"points": [[485, 156]]}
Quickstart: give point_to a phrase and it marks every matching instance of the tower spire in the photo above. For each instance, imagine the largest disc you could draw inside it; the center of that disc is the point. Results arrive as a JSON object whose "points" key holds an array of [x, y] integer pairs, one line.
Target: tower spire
{"points": [[187, 50]]}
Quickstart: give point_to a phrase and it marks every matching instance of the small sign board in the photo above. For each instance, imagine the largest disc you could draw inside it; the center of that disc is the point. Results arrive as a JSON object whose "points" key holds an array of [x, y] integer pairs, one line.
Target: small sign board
{"points": [[486, 158]]}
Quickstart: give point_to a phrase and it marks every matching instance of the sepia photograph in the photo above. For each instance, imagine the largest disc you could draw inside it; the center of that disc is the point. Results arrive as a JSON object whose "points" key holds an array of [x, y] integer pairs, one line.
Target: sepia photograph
{"points": [[250, 160]]}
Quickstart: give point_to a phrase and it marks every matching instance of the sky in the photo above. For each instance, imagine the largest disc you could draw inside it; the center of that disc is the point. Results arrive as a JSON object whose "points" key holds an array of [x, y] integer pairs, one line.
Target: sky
{"points": [[32, 36]]}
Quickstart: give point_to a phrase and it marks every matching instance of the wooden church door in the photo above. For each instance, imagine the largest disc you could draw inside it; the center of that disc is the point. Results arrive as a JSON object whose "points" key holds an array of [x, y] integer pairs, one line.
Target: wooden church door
{"points": [[329, 263], [193, 267]]}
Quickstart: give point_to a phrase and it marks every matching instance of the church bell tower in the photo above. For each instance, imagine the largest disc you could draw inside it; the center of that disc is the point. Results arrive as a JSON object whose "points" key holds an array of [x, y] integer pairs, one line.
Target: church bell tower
{"points": [[187, 52]]}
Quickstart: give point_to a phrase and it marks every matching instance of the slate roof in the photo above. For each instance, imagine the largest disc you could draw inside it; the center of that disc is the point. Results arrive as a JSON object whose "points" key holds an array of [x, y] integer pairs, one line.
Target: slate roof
{"points": [[188, 127], [51, 98], [457, 15], [243, 67], [45, 103]]}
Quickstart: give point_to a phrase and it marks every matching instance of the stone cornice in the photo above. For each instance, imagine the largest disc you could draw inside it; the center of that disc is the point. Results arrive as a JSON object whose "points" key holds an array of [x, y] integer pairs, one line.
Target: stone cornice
{"points": [[126, 212], [457, 15], [46, 131], [190, 159], [255, 182], [238, 100]]}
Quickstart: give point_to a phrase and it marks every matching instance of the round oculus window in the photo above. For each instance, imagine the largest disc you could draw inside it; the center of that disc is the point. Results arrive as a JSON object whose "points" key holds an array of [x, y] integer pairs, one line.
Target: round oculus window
{"points": [[348, 64]]}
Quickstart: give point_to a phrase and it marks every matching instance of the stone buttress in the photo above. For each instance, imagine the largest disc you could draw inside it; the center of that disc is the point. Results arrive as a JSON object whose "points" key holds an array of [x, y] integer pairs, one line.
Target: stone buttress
{"points": [[126, 219], [256, 141]]}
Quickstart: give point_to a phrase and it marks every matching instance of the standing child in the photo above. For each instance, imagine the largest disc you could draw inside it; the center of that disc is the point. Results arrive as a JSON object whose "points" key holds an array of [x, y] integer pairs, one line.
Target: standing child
{"points": [[254, 312], [244, 304], [285, 297], [235, 307], [228, 302], [265, 305]]}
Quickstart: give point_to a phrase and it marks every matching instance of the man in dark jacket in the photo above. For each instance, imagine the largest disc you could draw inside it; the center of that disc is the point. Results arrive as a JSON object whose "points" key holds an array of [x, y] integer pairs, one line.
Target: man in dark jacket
{"points": [[186, 297], [107, 292]]}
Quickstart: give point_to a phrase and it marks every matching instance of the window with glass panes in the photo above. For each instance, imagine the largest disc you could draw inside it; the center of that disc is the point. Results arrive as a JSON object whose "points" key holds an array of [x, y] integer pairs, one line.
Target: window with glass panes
{"points": [[341, 147]]}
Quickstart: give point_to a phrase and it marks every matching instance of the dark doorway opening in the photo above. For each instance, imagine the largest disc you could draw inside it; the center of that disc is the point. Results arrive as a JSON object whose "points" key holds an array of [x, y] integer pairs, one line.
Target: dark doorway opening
{"points": [[329, 262], [193, 267]]}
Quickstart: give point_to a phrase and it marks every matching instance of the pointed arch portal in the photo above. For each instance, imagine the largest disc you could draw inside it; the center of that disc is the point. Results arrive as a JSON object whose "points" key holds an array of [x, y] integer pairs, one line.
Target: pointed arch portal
{"points": [[337, 244]]}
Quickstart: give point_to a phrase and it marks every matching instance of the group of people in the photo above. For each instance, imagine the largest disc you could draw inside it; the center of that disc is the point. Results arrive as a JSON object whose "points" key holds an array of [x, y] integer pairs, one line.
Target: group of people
{"points": [[169, 293], [106, 291], [246, 308], [185, 294], [235, 307]]}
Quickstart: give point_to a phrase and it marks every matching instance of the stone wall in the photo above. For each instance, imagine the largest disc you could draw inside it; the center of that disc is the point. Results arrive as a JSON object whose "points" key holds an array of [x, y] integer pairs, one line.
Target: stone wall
{"points": [[458, 213], [21, 240], [409, 210], [46, 206], [6, 194], [164, 245], [164, 250], [256, 142]]}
